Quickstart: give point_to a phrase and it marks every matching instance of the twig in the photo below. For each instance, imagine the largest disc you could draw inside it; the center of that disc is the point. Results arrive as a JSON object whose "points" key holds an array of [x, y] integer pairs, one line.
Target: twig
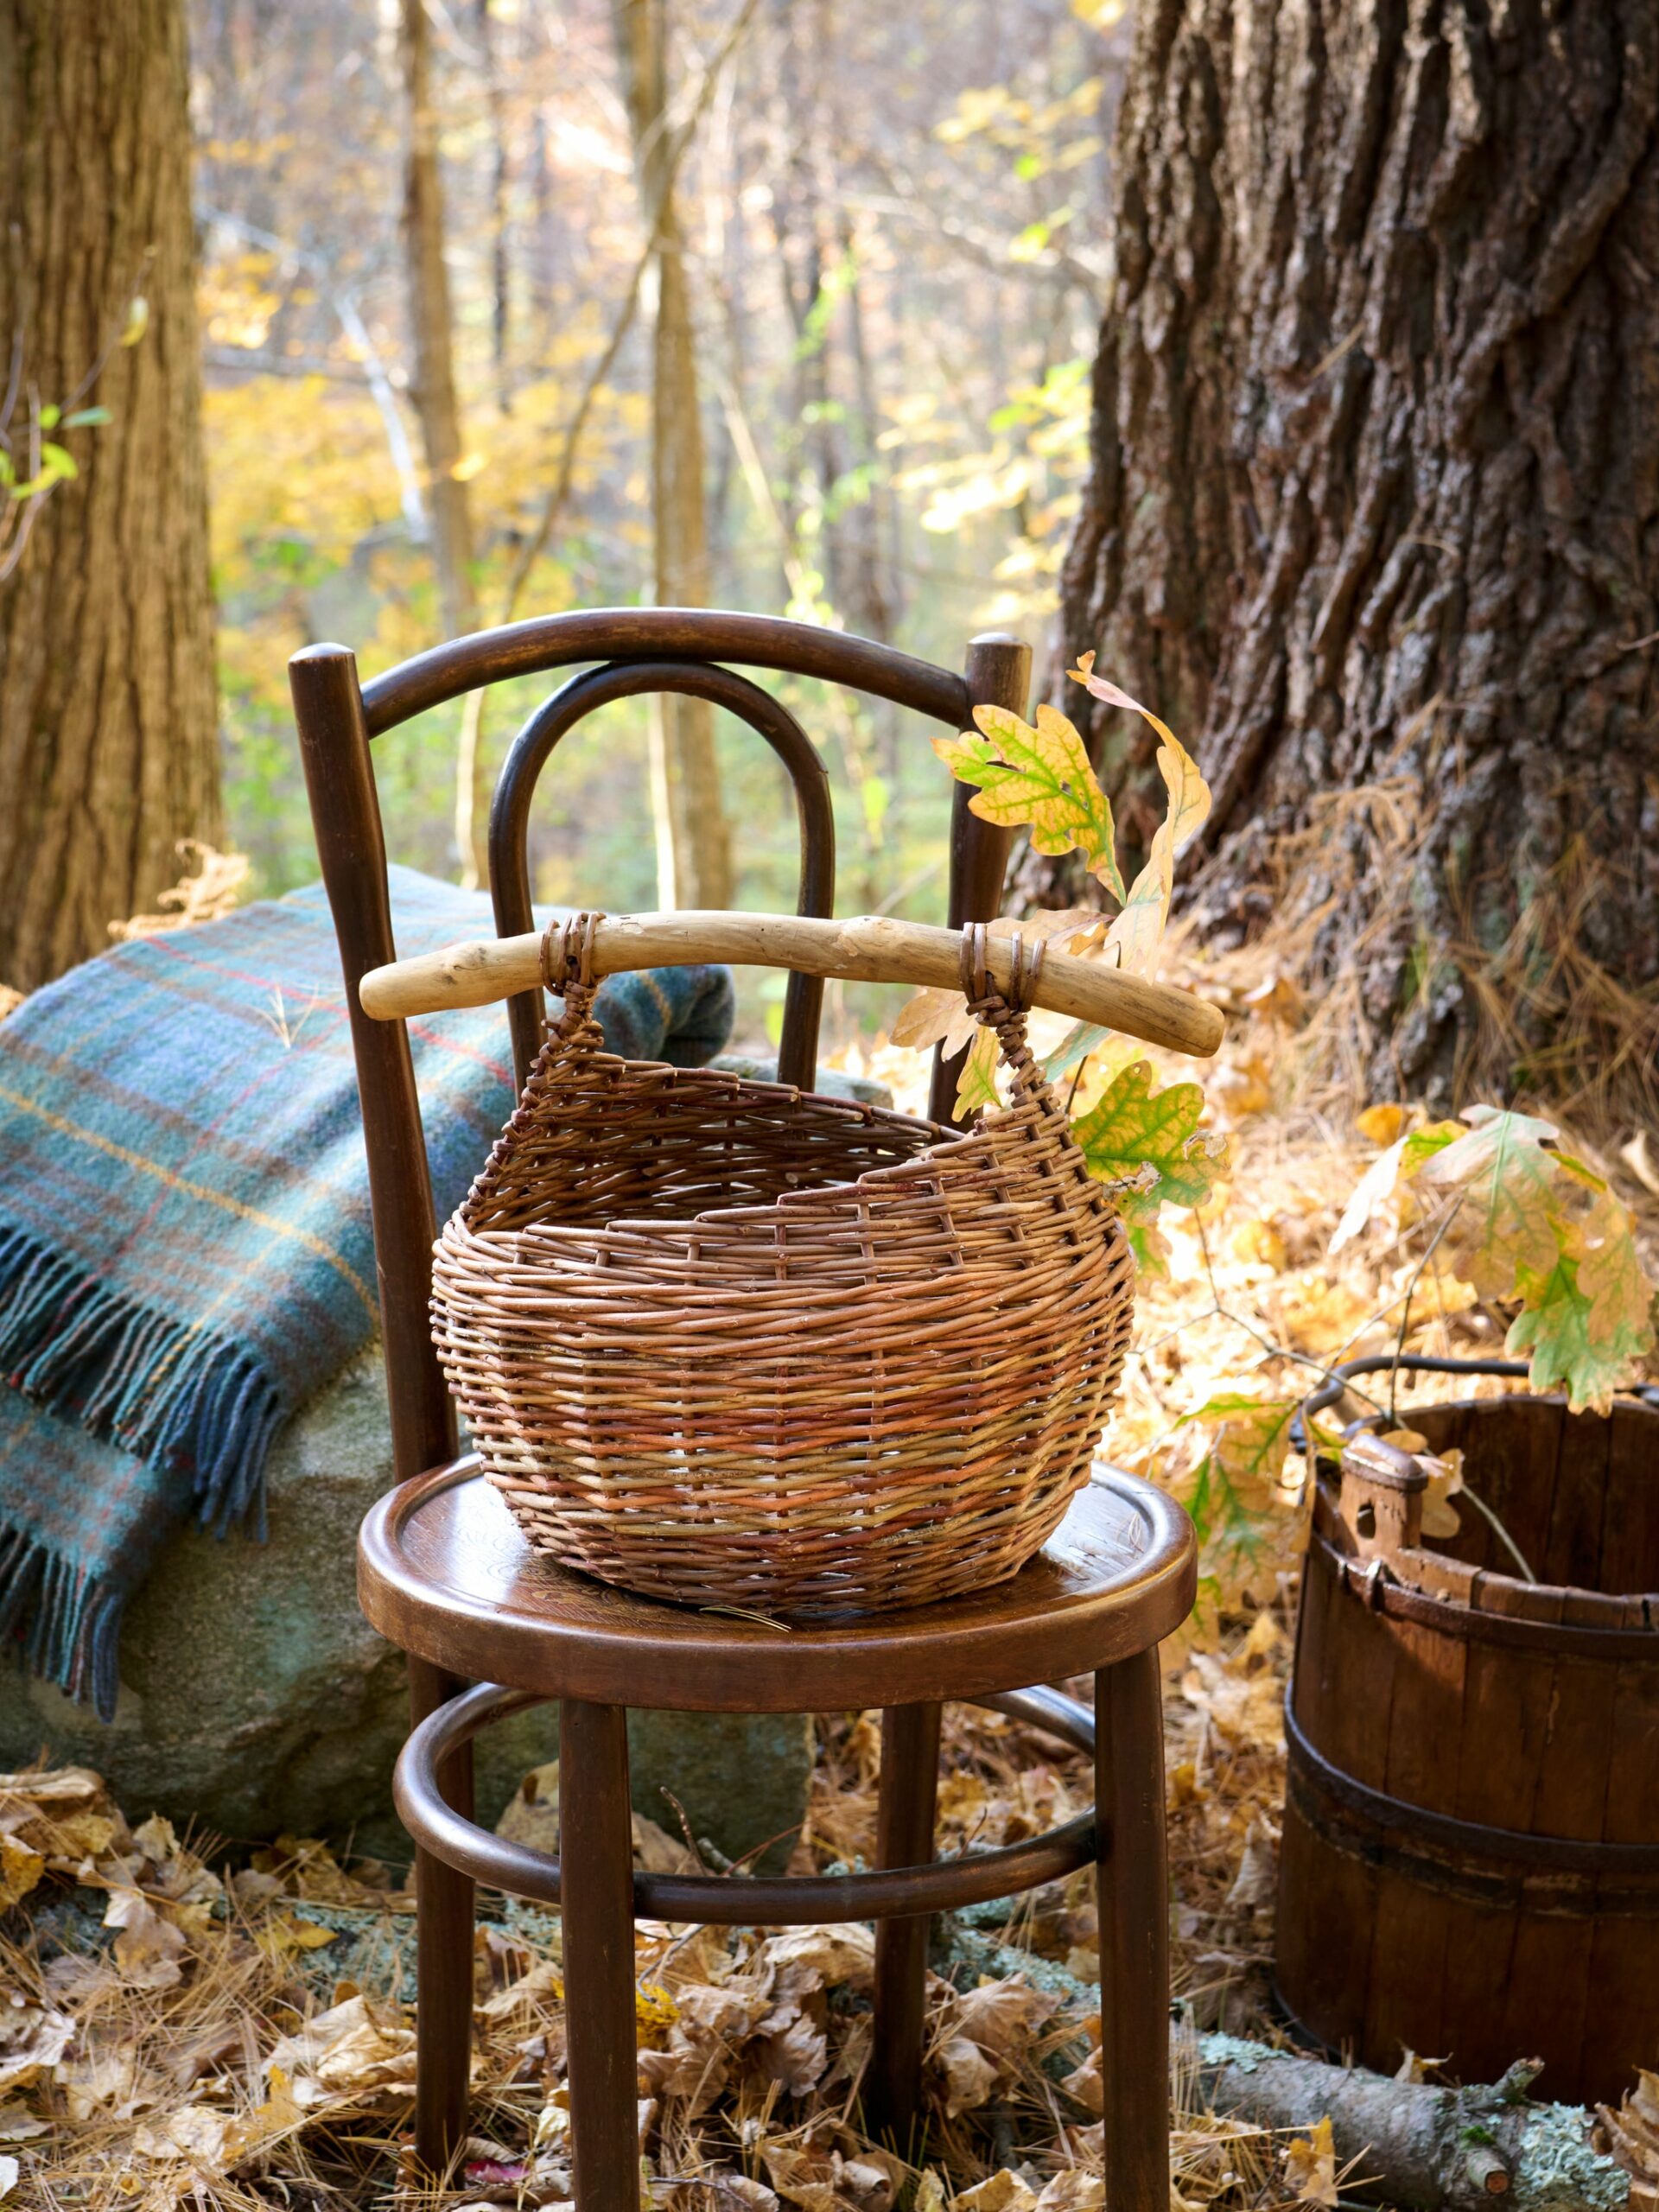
{"points": [[1501, 1532], [1410, 1290]]}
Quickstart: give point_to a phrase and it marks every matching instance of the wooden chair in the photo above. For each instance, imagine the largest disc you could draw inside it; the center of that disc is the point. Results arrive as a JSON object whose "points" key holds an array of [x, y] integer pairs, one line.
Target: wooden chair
{"points": [[445, 1575]]}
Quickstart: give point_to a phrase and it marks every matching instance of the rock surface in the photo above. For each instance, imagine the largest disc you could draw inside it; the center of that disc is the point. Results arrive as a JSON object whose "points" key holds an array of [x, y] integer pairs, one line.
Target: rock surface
{"points": [[256, 1700]]}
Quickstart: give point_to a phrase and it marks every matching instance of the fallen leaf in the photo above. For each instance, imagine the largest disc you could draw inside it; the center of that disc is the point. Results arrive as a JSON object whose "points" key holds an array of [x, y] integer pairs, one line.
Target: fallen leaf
{"points": [[1256, 1883], [150, 1946], [1311, 2166], [1072, 2189], [19, 1870], [1382, 1124], [32, 2040], [1084, 2083], [1001, 2016], [1002, 2191], [795, 2057], [200, 2134], [345, 2053], [839, 1954]]}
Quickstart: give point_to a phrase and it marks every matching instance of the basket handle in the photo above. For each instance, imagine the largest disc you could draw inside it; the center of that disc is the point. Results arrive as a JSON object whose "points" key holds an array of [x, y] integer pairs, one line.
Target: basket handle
{"points": [[870, 949]]}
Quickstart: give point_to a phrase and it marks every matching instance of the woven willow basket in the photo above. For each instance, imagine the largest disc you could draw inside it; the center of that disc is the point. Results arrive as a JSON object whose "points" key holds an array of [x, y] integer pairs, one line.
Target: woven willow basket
{"points": [[727, 1343]]}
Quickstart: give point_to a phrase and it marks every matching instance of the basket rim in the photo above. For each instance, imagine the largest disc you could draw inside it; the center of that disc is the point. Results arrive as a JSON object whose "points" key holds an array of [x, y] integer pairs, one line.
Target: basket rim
{"points": [[944, 1139]]}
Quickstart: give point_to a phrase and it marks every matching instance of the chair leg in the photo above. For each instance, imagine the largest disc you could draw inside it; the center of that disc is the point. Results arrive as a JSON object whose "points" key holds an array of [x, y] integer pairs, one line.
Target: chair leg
{"points": [[1133, 1875], [596, 1915], [443, 1956], [909, 1778]]}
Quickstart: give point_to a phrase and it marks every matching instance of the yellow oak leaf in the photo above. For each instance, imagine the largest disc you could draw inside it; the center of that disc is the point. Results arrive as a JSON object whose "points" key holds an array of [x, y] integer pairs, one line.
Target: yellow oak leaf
{"points": [[1189, 795], [1039, 776], [977, 1084], [1311, 2166]]}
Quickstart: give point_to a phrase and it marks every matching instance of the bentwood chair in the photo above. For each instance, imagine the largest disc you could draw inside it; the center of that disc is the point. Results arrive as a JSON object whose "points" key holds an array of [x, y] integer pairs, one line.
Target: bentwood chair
{"points": [[490, 1626]]}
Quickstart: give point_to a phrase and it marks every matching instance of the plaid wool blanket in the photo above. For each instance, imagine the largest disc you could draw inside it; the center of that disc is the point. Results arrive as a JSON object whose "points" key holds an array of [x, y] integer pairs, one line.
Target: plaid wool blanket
{"points": [[186, 1254]]}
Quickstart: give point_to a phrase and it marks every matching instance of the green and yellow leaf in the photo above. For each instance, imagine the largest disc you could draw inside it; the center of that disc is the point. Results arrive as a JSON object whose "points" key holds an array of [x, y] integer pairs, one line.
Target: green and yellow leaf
{"points": [[1507, 1222], [1252, 1439], [1039, 776], [1534, 1226], [1131, 1128]]}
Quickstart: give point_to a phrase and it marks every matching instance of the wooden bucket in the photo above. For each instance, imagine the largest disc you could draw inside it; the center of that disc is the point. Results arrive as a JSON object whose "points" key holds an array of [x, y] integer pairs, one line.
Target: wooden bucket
{"points": [[1470, 1866]]}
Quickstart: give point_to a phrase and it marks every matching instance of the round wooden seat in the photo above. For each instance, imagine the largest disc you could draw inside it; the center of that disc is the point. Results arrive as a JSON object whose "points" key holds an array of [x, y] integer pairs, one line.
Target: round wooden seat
{"points": [[444, 1572]]}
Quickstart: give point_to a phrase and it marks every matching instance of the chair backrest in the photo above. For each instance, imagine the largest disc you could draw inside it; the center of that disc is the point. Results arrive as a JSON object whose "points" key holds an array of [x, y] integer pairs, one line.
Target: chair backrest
{"points": [[639, 649]]}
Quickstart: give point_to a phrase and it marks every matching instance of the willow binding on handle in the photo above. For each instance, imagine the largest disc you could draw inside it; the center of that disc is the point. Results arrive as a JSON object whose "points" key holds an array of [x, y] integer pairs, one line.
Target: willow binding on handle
{"points": [[723, 1342]]}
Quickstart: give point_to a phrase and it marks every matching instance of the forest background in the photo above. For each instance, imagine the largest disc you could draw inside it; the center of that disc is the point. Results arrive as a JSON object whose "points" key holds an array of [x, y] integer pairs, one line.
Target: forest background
{"points": [[892, 226]]}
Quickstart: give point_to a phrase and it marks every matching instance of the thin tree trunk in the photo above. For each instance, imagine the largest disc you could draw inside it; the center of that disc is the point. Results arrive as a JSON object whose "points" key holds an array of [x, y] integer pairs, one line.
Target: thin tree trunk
{"points": [[108, 749], [693, 844], [500, 166], [434, 393], [1374, 505]]}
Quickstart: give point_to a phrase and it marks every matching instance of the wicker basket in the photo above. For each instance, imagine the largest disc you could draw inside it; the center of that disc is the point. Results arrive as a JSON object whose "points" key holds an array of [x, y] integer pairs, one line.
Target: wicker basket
{"points": [[727, 1343]]}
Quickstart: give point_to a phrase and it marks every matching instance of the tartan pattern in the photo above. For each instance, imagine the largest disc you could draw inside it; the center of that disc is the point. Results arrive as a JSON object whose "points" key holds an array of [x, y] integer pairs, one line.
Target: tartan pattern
{"points": [[185, 1250]]}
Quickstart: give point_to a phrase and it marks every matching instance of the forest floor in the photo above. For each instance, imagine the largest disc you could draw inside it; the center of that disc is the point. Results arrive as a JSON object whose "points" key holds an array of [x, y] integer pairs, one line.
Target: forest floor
{"points": [[236, 2030]]}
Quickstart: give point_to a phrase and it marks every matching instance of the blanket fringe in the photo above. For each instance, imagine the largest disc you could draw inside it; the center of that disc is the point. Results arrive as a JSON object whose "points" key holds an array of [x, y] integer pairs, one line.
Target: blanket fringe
{"points": [[177, 1397], [68, 1622]]}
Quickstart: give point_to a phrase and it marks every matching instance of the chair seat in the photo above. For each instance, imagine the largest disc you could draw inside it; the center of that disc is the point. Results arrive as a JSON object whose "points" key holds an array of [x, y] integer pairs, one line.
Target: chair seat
{"points": [[444, 1573]]}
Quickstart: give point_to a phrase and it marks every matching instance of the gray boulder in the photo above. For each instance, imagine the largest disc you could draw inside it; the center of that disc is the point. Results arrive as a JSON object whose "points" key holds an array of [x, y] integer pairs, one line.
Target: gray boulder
{"points": [[256, 1700]]}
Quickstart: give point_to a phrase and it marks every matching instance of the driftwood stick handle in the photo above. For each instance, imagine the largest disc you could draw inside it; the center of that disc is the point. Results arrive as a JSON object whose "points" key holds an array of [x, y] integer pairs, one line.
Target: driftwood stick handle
{"points": [[870, 949]]}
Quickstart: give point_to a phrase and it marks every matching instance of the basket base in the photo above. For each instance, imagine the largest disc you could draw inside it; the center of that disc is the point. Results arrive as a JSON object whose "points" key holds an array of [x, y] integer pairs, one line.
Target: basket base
{"points": [[772, 1576]]}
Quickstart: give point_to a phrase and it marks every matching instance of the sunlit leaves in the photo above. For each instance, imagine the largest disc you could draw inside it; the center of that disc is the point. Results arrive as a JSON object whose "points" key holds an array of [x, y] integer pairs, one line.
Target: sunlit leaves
{"points": [[1148, 1144], [1037, 779], [1528, 1225], [1131, 1126]]}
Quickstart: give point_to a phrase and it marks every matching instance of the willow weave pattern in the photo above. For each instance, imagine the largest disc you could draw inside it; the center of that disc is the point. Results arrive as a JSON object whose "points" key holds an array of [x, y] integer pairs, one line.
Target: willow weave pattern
{"points": [[726, 1343]]}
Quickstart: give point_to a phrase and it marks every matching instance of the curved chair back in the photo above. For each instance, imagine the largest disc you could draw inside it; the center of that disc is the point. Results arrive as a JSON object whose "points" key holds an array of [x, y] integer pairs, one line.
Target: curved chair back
{"points": [[638, 649]]}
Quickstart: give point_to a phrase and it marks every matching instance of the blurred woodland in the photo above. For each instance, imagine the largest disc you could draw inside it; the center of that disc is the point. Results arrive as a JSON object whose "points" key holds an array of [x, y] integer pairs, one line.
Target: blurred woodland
{"points": [[885, 276]]}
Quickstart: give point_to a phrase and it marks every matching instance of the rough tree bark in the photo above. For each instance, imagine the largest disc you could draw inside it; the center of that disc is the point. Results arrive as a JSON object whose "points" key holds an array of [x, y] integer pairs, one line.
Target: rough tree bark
{"points": [[1373, 514], [694, 842], [108, 731], [436, 404]]}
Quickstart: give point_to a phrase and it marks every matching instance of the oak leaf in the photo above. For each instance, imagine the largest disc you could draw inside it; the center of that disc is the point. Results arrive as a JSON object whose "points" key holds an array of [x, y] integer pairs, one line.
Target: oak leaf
{"points": [[1311, 2166], [1039, 777], [1149, 1144], [1529, 1224]]}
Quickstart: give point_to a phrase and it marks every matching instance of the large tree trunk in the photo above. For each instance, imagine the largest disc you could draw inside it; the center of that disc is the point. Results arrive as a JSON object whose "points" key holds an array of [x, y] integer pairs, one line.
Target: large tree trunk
{"points": [[693, 844], [108, 735], [1373, 517]]}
